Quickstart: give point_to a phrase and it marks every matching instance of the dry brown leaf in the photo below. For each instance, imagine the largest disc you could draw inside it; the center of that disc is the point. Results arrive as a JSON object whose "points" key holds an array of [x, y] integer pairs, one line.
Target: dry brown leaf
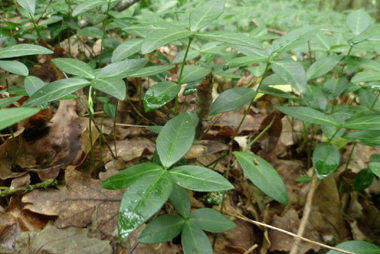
{"points": [[75, 206], [9, 230]]}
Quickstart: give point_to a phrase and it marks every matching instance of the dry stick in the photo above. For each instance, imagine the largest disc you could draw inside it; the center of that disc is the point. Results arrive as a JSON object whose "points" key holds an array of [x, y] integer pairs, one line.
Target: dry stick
{"points": [[137, 112], [251, 249], [306, 214]]}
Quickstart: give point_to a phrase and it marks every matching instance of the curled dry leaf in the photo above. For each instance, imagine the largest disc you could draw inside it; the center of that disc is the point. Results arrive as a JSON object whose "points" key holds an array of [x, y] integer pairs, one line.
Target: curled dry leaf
{"points": [[75, 205]]}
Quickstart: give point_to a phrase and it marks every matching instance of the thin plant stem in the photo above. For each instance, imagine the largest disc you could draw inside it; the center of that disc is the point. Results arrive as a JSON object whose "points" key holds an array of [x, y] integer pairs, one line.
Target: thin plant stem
{"points": [[349, 157], [104, 32], [35, 26]]}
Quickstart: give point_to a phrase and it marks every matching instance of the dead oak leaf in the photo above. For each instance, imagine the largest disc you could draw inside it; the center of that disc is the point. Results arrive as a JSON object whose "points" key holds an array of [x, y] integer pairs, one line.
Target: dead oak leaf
{"points": [[83, 202]]}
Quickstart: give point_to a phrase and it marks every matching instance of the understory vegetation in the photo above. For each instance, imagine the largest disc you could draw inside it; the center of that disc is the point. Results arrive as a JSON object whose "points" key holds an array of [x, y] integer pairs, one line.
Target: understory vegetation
{"points": [[188, 126]]}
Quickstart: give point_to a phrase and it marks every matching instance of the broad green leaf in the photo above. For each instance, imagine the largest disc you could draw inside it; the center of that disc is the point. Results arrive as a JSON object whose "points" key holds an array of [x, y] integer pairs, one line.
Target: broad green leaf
{"points": [[5, 102], [322, 66], [211, 220], [368, 99], [250, 51], [364, 63], [115, 87], [322, 41], [364, 76], [191, 87], [32, 84], [194, 240], [180, 200], [55, 90], [143, 198], [28, 5], [276, 92], [87, 5], [122, 69], [151, 70], [274, 79], [363, 179], [14, 67], [263, 175], [358, 21], [199, 179], [110, 109], [190, 55], [160, 94], [91, 32], [308, 115], [126, 177], [192, 73], [292, 72], [364, 137], [245, 60], [166, 6], [293, 39], [155, 129], [371, 122], [163, 37], [161, 229], [10, 116], [357, 247], [304, 179], [231, 38], [143, 29], [375, 168], [74, 67], [205, 14], [126, 49], [332, 132], [232, 99], [23, 50], [326, 159], [332, 88], [175, 139], [314, 98]]}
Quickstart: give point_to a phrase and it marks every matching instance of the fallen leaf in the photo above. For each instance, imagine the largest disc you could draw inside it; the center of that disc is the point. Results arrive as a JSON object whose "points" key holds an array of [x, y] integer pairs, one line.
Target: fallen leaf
{"points": [[9, 230]]}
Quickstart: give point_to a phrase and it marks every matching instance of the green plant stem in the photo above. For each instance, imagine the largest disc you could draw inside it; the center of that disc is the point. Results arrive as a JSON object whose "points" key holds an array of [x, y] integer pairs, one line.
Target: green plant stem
{"points": [[344, 66], [349, 157], [374, 102], [180, 73], [35, 26], [44, 184], [14, 148], [104, 32]]}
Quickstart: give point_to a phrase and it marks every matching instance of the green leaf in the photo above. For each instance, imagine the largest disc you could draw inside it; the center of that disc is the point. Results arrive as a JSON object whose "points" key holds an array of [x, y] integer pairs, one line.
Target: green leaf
{"points": [[358, 21], [245, 60], [205, 14], [160, 94], [293, 39], [55, 90], [371, 122], [231, 38], [113, 86], [276, 92], [91, 32], [86, 6], [232, 99], [358, 247], [155, 129], [175, 139], [199, 178], [191, 87], [314, 98], [263, 175], [332, 88], [250, 51], [364, 76], [110, 109], [23, 50], [180, 55], [194, 240], [143, 198], [10, 116], [292, 72], [122, 69], [180, 200], [162, 37], [143, 29], [192, 73], [363, 179], [126, 49], [375, 168], [308, 115], [322, 66], [304, 179], [28, 5], [5, 102], [151, 70], [364, 137], [74, 67], [368, 99], [14, 67], [364, 63], [161, 229], [326, 159], [211, 220], [32, 84], [126, 177]]}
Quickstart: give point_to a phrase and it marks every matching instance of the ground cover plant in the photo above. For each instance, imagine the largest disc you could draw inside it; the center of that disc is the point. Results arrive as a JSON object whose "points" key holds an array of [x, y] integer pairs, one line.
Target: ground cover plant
{"points": [[126, 122]]}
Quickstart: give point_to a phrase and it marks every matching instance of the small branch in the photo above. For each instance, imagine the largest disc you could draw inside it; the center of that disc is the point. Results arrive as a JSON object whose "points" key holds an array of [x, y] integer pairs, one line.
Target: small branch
{"points": [[305, 216], [44, 184]]}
